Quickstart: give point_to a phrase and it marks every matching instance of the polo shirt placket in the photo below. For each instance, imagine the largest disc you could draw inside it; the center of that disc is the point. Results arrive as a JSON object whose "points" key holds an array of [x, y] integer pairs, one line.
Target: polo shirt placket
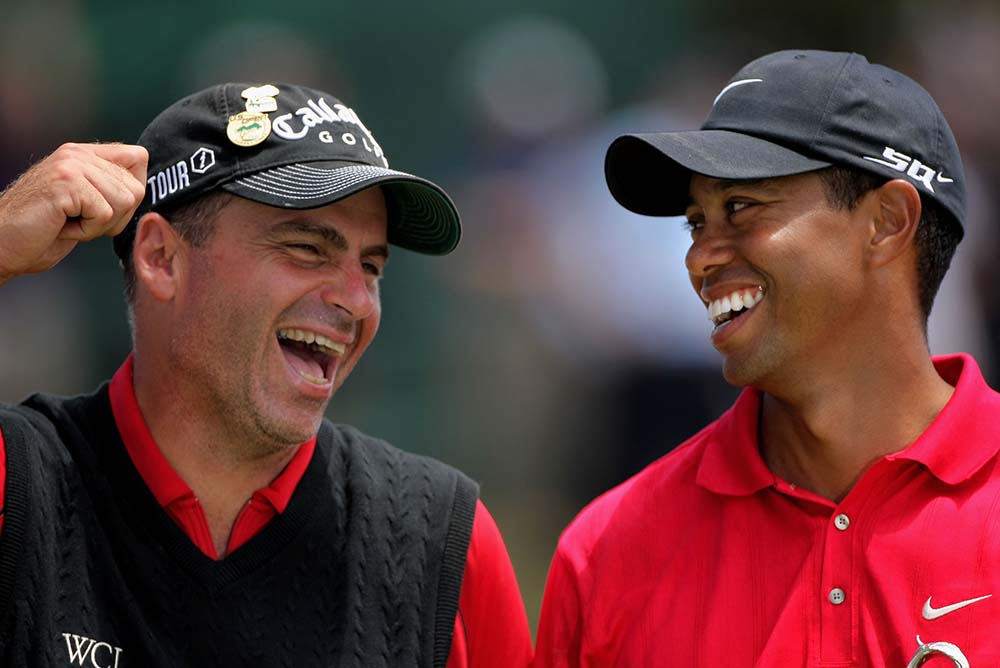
{"points": [[838, 560]]}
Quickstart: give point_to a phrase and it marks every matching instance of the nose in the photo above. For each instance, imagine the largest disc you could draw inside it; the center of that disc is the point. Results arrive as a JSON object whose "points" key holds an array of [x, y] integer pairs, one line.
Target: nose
{"points": [[352, 291], [711, 249]]}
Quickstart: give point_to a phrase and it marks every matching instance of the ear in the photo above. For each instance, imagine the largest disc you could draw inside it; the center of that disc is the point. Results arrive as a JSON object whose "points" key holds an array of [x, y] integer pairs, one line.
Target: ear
{"points": [[895, 215], [156, 256]]}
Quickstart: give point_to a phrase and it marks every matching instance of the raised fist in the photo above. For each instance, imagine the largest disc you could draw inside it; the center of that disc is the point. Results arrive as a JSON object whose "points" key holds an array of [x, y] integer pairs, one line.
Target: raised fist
{"points": [[78, 193]]}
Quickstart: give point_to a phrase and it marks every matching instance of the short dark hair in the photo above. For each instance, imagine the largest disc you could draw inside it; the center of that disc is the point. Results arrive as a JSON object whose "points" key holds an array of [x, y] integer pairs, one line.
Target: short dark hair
{"points": [[937, 233], [193, 220]]}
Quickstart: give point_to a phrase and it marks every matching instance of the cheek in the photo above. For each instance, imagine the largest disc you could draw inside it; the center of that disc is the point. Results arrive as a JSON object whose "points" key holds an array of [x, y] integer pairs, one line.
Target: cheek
{"points": [[823, 277], [229, 313], [812, 252]]}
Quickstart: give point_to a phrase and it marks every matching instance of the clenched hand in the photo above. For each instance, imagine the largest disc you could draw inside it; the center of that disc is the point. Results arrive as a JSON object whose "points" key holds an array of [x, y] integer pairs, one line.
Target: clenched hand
{"points": [[79, 192]]}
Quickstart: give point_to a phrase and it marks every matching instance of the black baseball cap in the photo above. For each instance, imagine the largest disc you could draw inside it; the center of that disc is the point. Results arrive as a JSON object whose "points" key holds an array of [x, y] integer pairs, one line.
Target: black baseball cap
{"points": [[286, 146], [793, 112]]}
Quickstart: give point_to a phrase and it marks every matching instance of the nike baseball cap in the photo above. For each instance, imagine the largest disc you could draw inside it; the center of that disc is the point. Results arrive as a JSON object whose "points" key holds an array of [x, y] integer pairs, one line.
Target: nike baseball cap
{"points": [[285, 146], [793, 112]]}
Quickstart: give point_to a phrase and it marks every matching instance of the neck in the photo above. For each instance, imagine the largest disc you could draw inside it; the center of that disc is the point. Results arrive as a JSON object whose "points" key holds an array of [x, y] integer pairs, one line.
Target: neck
{"points": [[824, 437], [216, 464]]}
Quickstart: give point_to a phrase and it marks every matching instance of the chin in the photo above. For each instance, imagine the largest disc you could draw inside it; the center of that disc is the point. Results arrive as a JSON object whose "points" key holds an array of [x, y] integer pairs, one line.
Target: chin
{"points": [[742, 372], [285, 431]]}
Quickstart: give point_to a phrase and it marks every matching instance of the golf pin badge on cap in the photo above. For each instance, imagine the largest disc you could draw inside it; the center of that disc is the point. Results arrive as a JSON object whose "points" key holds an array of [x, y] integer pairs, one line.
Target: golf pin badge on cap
{"points": [[252, 126]]}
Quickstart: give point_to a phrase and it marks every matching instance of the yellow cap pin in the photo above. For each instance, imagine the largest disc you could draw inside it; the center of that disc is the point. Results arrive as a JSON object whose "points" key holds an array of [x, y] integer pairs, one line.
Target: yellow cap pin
{"points": [[248, 128], [251, 127]]}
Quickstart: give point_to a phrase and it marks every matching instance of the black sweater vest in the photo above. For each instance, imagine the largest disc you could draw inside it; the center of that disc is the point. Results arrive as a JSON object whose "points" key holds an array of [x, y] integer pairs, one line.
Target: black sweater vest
{"points": [[363, 568]]}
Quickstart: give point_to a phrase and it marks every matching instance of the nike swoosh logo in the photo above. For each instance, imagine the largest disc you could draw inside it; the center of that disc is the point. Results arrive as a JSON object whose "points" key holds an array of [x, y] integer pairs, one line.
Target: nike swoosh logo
{"points": [[931, 613], [741, 82]]}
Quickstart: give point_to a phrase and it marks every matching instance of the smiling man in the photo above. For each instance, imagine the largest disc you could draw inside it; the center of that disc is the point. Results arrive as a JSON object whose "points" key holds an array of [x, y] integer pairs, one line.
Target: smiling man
{"points": [[198, 510], [843, 512]]}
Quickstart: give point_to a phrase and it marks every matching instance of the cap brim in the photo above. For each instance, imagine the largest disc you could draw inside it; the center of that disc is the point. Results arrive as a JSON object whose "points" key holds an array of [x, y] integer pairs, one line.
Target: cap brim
{"points": [[422, 217], [650, 173]]}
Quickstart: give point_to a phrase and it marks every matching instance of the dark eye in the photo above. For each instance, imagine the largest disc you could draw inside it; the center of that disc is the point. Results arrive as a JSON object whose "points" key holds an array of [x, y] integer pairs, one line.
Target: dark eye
{"points": [[735, 206], [308, 248], [372, 268], [693, 224]]}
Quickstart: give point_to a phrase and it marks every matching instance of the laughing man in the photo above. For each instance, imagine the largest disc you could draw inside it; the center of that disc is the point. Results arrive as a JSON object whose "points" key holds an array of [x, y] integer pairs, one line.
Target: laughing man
{"points": [[197, 510]]}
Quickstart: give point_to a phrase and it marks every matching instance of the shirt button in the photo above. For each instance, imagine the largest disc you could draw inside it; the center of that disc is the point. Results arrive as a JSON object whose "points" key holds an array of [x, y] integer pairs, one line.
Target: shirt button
{"points": [[837, 596], [842, 521]]}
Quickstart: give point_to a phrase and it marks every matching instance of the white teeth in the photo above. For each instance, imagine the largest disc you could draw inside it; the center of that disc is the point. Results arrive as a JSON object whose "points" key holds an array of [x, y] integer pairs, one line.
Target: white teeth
{"points": [[332, 347], [313, 379], [739, 300]]}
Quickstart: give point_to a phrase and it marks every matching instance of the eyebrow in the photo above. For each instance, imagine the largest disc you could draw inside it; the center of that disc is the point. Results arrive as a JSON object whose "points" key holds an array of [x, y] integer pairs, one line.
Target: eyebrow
{"points": [[329, 234]]}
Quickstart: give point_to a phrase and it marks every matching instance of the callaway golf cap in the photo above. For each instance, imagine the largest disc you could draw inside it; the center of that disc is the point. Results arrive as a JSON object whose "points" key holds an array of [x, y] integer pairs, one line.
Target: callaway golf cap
{"points": [[285, 146]]}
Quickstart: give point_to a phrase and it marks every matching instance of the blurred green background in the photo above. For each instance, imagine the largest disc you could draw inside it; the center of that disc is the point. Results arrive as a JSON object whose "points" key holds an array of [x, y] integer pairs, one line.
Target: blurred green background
{"points": [[560, 348]]}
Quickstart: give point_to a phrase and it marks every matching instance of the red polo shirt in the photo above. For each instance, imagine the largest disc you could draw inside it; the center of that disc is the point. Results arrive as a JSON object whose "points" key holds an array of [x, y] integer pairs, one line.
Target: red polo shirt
{"points": [[491, 628], [706, 558]]}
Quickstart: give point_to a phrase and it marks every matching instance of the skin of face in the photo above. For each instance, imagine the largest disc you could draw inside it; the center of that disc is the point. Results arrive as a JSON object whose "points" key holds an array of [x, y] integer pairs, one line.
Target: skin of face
{"points": [[266, 269], [783, 236]]}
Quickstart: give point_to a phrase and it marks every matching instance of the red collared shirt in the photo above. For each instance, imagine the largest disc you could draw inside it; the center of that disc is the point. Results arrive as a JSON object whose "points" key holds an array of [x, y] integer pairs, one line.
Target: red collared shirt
{"points": [[491, 628], [174, 495], [706, 558]]}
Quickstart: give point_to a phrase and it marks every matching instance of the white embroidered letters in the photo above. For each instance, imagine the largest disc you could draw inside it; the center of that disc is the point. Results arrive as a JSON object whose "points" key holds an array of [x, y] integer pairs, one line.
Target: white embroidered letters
{"points": [[87, 651]]}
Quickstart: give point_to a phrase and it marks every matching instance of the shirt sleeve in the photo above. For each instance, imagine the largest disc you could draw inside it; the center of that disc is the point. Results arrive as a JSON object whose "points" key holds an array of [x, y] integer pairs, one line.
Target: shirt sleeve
{"points": [[491, 627], [561, 621]]}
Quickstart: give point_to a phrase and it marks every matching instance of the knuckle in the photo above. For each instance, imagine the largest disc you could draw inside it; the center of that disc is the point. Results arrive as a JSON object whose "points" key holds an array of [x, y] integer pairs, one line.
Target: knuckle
{"points": [[125, 199], [99, 222], [64, 201], [64, 170], [136, 191], [70, 151], [131, 190]]}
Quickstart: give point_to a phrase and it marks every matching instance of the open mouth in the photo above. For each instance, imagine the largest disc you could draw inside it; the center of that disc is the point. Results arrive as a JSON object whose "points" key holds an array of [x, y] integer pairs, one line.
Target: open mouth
{"points": [[734, 305], [313, 356]]}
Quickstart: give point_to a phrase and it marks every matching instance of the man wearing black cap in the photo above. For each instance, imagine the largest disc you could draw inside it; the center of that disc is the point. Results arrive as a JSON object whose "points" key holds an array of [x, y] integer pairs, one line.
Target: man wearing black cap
{"points": [[844, 511], [197, 510]]}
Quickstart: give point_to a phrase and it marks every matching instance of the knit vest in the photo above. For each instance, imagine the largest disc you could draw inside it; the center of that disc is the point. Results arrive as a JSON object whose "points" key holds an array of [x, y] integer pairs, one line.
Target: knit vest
{"points": [[363, 568]]}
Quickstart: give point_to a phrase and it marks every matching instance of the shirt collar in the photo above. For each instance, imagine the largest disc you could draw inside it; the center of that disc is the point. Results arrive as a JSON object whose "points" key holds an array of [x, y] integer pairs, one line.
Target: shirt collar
{"points": [[962, 438], [161, 478], [966, 434], [731, 463]]}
